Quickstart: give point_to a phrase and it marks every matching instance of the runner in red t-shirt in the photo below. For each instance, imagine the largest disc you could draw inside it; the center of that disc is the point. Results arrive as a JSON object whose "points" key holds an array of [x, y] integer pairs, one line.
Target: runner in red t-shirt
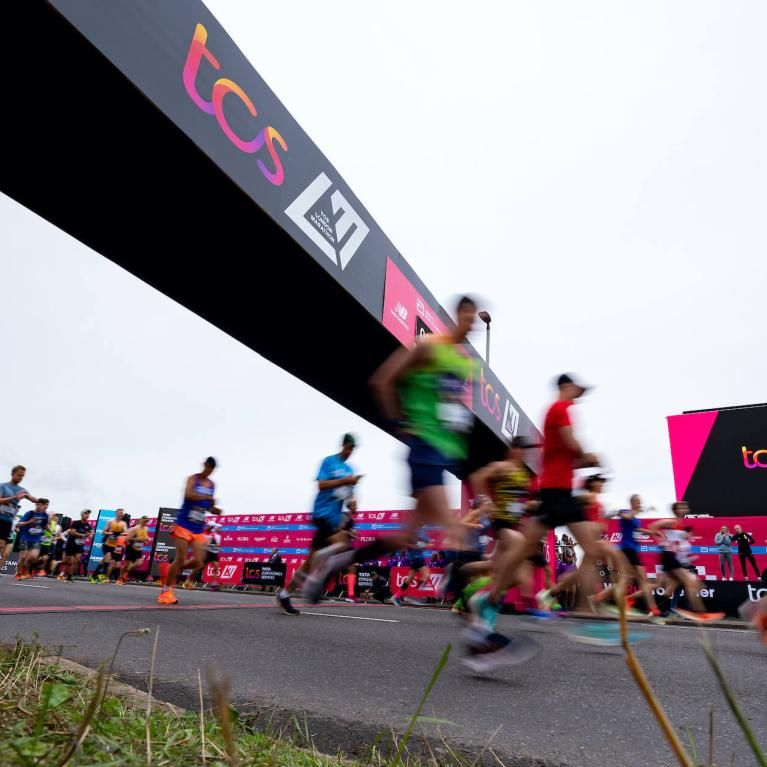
{"points": [[562, 455]]}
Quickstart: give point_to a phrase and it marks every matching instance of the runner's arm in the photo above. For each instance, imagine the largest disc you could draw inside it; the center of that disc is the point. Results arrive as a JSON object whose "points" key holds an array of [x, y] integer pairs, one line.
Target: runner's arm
{"points": [[383, 381]]}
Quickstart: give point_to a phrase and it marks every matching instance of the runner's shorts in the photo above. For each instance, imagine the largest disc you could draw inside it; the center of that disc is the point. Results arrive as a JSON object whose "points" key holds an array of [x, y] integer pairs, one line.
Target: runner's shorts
{"points": [[633, 557], [670, 563], [28, 544], [428, 465], [559, 508], [72, 550], [210, 556], [179, 531], [132, 554], [327, 527], [6, 528], [112, 550]]}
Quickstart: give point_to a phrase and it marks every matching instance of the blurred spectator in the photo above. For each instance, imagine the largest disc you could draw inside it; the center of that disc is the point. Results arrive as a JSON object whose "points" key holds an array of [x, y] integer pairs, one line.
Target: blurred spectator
{"points": [[379, 589], [723, 539], [274, 558], [744, 541]]}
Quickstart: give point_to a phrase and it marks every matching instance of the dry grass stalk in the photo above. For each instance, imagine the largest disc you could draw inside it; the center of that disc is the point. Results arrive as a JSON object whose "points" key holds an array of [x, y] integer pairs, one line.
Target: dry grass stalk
{"points": [[149, 701], [644, 686], [221, 689]]}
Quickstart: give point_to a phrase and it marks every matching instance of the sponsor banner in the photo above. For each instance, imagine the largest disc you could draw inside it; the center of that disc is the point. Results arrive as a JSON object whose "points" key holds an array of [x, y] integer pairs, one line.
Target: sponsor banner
{"points": [[704, 551], [163, 545], [427, 589], [10, 565], [193, 72], [719, 458], [407, 314], [96, 552], [365, 577], [263, 574]]}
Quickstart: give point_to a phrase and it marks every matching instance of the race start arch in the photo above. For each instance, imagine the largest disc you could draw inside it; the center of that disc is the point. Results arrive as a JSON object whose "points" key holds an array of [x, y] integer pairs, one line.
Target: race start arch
{"points": [[141, 129]]}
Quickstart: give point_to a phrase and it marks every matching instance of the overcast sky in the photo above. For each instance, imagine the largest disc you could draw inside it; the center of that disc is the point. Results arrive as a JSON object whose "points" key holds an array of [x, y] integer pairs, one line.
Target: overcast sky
{"points": [[594, 171]]}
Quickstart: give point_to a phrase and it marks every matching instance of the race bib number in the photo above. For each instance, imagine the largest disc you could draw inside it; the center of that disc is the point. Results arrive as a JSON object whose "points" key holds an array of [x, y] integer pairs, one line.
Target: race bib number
{"points": [[196, 514], [455, 416], [35, 531], [515, 509], [138, 545]]}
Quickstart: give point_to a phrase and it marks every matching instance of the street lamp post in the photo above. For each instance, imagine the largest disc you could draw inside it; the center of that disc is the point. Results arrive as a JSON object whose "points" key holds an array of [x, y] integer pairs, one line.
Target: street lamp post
{"points": [[487, 319]]}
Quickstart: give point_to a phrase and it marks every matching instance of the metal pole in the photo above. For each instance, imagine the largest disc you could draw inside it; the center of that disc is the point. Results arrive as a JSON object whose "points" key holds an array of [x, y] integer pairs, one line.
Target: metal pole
{"points": [[487, 346]]}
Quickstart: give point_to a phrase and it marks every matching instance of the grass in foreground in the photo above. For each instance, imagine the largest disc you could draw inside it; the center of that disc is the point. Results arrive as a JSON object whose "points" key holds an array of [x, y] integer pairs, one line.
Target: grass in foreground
{"points": [[45, 710], [53, 717]]}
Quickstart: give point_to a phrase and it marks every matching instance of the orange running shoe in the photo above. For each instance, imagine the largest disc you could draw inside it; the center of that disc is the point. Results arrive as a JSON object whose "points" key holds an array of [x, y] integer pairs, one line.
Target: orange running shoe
{"points": [[699, 617], [167, 598], [761, 625], [120, 582], [41, 573], [188, 585]]}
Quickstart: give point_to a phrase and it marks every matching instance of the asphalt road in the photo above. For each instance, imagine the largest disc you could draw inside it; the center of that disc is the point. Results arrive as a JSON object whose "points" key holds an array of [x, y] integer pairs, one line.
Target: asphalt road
{"points": [[350, 672]]}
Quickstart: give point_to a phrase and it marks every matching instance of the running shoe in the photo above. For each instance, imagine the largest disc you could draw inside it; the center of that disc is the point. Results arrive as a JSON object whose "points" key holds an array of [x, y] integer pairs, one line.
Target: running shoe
{"points": [[501, 651], [102, 579], [93, 579], [120, 582], [167, 598], [485, 613], [698, 617], [396, 601], [631, 612], [285, 605], [762, 627], [61, 577], [545, 600], [601, 634], [188, 585], [41, 573], [323, 566]]}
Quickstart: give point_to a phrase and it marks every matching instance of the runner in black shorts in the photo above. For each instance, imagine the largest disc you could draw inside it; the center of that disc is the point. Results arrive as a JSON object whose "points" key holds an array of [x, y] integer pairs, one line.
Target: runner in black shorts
{"points": [[336, 481], [562, 454], [79, 531]]}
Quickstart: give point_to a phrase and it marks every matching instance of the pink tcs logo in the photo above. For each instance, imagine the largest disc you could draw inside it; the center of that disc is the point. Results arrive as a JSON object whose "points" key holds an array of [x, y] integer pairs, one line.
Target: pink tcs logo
{"points": [[267, 137], [491, 400], [753, 455]]}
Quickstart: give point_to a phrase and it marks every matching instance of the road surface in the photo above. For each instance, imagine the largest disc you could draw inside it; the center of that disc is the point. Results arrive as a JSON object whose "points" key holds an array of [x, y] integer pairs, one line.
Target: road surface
{"points": [[350, 672]]}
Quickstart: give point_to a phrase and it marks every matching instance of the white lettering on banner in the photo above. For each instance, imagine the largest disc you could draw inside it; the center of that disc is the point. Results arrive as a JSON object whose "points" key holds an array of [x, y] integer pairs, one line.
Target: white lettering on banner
{"points": [[510, 421], [324, 231], [755, 594], [228, 571]]}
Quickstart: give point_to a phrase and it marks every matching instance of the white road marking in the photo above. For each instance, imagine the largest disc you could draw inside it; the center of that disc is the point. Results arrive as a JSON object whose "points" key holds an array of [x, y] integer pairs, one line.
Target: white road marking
{"points": [[30, 586], [351, 617]]}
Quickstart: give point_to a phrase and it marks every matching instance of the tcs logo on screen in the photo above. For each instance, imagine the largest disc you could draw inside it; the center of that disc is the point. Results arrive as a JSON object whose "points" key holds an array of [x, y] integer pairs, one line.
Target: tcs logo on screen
{"points": [[754, 459], [267, 138]]}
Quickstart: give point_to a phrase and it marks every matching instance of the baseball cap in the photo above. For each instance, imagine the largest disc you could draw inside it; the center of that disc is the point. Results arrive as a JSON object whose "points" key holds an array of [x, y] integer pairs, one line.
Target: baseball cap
{"points": [[567, 378], [594, 478], [348, 439]]}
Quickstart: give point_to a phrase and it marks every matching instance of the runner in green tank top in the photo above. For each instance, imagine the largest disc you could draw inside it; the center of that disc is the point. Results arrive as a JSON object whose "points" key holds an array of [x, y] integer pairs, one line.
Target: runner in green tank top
{"points": [[422, 393]]}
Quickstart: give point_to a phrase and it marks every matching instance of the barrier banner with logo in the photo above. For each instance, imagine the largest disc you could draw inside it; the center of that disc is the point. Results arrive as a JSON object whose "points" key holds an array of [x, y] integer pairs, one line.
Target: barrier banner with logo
{"points": [[719, 459], [705, 550], [263, 574], [96, 552], [163, 545], [10, 565]]}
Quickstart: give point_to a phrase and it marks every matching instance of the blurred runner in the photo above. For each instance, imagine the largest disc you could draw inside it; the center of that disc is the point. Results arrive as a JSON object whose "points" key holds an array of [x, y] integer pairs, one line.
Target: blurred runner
{"points": [[188, 531], [674, 538], [336, 481], [79, 532], [135, 539], [422, 393]]}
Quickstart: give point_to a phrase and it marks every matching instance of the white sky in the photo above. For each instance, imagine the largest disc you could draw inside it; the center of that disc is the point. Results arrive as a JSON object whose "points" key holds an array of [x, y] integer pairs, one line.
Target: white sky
{"points": [[594, 170]]}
